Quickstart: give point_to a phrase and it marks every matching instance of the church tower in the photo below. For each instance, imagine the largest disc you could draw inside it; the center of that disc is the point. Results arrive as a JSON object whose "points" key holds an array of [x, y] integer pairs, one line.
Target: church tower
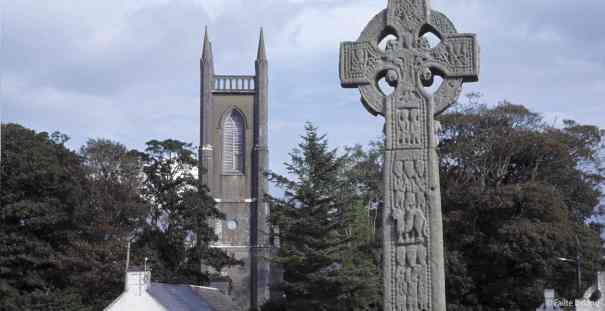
{"points": [[234, 152]]}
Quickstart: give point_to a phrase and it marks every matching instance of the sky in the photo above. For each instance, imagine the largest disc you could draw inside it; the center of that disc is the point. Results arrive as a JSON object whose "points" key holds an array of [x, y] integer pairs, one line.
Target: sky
{"points": [[129, 70]]}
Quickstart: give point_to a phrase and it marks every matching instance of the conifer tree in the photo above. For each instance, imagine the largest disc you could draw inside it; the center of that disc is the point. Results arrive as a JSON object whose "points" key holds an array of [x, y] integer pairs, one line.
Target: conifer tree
{"points": [[316, 217]]}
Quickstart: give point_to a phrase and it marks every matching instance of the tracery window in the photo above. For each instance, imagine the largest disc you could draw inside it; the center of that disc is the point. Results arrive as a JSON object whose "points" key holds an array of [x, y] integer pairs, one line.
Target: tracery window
{"points": [[233, 143]]}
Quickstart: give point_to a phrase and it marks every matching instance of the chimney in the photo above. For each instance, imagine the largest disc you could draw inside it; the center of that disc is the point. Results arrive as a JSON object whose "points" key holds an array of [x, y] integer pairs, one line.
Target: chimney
{"points": [[601, 280], [138, 280], [549, 299]]}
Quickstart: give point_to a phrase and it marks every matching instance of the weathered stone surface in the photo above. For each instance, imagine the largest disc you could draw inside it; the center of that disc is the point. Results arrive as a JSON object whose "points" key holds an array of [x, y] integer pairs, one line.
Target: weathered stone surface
{"points": [[414, 277], [238, 188]]}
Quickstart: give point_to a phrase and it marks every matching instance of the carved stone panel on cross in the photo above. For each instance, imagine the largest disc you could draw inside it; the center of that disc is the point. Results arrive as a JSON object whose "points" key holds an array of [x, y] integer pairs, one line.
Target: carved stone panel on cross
{"points": [[414, 276], [408, 63]]}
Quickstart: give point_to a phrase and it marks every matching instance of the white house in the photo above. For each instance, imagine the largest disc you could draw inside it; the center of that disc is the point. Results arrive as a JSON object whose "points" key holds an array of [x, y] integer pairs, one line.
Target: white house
{"points": [[142, 294]]}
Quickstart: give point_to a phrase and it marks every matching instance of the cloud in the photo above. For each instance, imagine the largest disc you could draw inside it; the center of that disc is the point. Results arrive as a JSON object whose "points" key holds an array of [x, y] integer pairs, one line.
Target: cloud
{"points": [[129, 70], [317, 30]]}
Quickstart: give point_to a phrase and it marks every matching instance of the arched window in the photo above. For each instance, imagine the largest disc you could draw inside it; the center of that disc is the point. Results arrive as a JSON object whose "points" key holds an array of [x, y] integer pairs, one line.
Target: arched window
{"points": [[233, 143]]}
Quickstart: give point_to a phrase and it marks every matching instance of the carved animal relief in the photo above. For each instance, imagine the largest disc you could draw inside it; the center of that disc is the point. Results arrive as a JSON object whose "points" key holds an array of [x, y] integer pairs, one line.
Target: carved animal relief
{"points": [[413, 236]]}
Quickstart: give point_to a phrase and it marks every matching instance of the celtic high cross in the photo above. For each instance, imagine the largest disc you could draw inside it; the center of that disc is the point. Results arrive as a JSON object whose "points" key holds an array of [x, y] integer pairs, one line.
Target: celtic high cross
{"points": [[414, 277]]}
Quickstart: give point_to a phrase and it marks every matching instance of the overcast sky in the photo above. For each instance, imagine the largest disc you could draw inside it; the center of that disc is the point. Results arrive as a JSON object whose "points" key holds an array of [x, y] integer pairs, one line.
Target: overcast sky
{"points": [[129, 70]]}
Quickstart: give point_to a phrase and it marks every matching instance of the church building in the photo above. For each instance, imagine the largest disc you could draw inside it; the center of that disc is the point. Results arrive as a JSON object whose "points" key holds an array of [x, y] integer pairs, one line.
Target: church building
{"points": [[234, 153]]}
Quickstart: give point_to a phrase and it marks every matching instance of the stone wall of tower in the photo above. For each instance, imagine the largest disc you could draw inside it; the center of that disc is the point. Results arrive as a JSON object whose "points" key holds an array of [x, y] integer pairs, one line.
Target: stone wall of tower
{"points": [[239, 195]]}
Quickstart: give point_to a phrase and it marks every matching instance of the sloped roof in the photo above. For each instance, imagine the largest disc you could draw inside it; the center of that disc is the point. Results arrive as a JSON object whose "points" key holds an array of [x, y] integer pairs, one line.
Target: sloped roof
{"points": [[214, 297], [190, 298]]}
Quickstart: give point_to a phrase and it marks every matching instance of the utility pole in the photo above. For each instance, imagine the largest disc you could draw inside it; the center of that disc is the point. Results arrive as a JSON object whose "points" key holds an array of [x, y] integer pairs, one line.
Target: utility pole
{"points": [[578, 266], [578, 262], [127, 264]]}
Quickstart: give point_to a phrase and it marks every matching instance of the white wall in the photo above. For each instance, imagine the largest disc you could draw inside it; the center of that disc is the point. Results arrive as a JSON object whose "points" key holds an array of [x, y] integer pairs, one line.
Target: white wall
{"points": [[136, 297]]}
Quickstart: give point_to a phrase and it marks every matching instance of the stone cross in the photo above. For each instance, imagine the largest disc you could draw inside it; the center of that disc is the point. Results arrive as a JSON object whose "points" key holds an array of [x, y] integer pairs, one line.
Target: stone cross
{"points": [[413, 263]]}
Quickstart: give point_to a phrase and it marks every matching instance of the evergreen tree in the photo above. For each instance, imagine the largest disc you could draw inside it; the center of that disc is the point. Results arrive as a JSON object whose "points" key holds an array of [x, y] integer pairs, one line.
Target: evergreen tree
{"points": [[316, 216]]}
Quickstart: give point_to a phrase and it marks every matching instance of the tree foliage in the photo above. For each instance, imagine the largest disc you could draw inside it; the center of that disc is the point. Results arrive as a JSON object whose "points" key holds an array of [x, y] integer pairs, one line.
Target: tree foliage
{"points": [[516, 193], [178, 233], [323, 267], [66, 219], [45, 237], [115, 176]]}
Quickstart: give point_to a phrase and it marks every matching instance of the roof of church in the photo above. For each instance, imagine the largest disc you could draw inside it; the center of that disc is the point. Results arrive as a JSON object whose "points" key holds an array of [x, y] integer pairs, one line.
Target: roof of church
{"points": [[190, 298], [216, 298]]}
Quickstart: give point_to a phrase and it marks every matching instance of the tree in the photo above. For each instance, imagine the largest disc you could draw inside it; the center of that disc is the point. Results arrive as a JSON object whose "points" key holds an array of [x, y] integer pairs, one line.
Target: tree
{"points": [[177, 237], [116, 208], [364, 171], [516, 193], [315, 217], [44, 251], [115, 175]]}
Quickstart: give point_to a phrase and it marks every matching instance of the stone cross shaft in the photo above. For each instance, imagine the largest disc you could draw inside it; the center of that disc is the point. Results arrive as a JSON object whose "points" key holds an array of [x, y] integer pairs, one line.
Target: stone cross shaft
{"points": [[413, 263]]}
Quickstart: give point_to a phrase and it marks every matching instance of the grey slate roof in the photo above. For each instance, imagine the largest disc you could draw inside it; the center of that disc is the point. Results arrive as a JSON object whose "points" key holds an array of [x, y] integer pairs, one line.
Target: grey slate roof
{"points": [[216, 299], [190, 298]]}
